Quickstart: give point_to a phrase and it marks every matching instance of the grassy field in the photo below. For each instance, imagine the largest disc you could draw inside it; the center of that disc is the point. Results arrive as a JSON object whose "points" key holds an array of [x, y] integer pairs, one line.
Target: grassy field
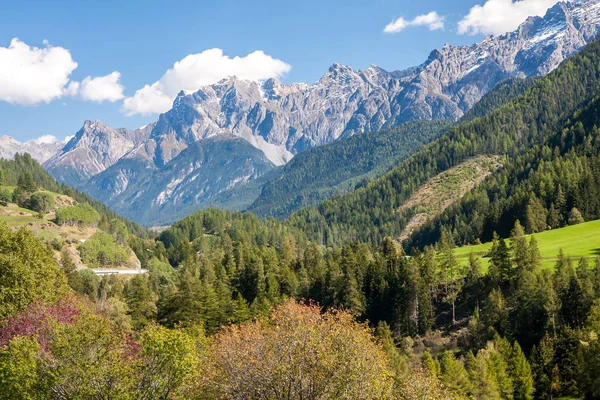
{"points": [[576, 241]]}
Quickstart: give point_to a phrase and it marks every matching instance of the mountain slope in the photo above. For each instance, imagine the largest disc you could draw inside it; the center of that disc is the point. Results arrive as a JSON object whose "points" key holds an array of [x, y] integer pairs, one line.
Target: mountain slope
{"points": [[540, 186], [94, 148], [13, 169], [317, 174], [531, 119], [161, 196], [550, 243]]}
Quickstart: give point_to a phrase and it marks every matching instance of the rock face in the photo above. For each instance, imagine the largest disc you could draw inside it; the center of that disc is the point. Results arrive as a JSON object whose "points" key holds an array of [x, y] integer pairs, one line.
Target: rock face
{"points": [[38, 150], [152, 195], [280, 120], [93, 149]]}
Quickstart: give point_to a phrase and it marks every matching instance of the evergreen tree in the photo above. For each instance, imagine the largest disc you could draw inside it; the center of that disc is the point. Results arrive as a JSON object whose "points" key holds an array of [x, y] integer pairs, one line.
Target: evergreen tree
{"points": [[519, 250], [521, 374], [483, 380], [542, 357], [430, 364], [536, 216], [139, 299], [26, 183], [451, 276], [454, 375]]}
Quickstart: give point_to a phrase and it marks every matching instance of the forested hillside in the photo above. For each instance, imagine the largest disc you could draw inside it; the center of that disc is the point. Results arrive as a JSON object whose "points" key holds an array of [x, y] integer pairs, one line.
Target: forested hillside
{"points": [[530, 120], [319, 173], [545, 187], [501, 94]]}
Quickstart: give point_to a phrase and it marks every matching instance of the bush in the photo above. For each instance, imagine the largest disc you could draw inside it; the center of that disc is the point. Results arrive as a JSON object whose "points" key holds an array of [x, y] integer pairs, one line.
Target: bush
{"points": [[5, 197], [41, 202], [102, 250], [80, 214], [20, 197], [575, 217], [297, 347]]}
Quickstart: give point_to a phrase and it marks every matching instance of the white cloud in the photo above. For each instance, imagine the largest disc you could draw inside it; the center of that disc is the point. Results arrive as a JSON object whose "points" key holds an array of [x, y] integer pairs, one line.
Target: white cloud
{"points": [[500, 16], [197, 70], [433, 21], [46, 139], [102, 88], [31, 75]]}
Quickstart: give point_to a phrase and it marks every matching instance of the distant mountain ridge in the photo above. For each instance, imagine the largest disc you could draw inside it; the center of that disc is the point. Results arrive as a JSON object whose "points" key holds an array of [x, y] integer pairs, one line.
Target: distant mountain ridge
{"points": [[38, 150], [283, 120]]}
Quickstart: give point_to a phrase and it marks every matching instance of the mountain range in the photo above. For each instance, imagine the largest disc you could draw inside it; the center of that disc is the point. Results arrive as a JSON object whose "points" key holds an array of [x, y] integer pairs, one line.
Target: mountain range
{"points": [[193, 153]]}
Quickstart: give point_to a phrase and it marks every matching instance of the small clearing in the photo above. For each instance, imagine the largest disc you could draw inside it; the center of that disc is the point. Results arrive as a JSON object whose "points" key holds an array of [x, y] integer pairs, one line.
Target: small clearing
{"points": [[444, 189]]}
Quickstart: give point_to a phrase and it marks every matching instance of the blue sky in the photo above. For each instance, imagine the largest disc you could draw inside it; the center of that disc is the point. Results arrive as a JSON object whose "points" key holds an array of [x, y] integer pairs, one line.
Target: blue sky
{"points": [[133, 43]]}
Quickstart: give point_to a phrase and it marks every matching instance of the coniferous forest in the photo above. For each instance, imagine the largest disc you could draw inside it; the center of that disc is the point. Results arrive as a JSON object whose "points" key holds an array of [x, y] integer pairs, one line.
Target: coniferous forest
{"points": [[328, 304]]}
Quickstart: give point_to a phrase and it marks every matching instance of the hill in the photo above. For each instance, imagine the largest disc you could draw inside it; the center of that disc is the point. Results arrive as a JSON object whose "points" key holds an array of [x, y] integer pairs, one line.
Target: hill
{"points": [[64, 237], [12, 170]]}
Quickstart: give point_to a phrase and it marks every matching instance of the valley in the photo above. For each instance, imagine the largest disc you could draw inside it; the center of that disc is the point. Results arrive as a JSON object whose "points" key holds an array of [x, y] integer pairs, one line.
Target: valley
{"points": [[424, 233]]}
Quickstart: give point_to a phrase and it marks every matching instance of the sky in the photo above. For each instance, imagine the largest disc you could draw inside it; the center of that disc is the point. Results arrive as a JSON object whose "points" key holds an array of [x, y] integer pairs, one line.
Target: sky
{"points": [[122, 62]]}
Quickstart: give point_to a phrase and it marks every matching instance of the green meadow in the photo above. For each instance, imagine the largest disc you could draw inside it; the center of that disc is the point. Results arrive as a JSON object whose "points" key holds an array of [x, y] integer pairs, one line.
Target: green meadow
{"points": [[576, 241]]}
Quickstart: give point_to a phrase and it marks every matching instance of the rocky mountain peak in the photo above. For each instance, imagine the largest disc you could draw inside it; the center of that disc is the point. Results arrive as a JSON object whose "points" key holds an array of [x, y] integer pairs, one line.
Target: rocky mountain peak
{"points": [[281, 120]]}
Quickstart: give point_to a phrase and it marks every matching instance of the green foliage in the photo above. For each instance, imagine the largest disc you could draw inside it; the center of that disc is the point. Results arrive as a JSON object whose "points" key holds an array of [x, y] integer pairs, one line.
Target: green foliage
{"points": [[19, 369], [41, 202], [575, 217], [77, 215], [28, 271], [26, 183], [168, 358], [454, 375], [5, 196], [498, 96], [141, 302], [520, 372], [88, 360], [102, 251]]}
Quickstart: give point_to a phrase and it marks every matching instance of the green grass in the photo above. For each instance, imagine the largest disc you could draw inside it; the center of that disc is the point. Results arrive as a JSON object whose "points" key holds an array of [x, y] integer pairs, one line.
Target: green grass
{"points": [[576, 241], [30, 220], [53, 194]]}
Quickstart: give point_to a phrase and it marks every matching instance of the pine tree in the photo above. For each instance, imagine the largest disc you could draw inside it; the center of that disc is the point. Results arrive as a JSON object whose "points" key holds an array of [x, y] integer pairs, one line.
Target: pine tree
{"points": [[384, 334], [451, 276], [519, 250], [542, 356], [534, 257], [454, 375], [483, 381], [536, 216], [553, 217], [26, 183], [140, 301], [520, 372], [431, 364]]}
